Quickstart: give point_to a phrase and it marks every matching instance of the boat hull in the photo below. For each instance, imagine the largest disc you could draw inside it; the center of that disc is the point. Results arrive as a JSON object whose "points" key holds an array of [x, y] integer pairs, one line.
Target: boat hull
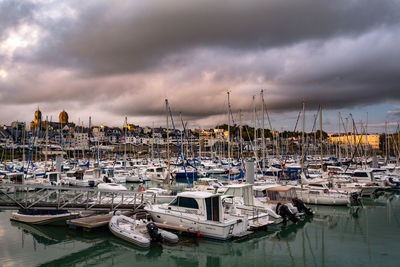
{"points": [[210, 229]]}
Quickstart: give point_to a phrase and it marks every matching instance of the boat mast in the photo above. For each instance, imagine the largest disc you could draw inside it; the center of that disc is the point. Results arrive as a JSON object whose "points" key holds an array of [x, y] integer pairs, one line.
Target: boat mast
{"points": [[263, 132], [366, 138], [339, 148], [255, 127], [386, 144], [152, 143], [241, 136], [302, 137], [47, 144], [320, 137], [126, 127], [168, 168], [23, 148], [229, 136]]}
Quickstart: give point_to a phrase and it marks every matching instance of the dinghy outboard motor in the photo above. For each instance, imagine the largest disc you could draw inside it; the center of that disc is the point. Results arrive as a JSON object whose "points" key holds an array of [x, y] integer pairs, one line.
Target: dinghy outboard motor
{"points": [[153, 232], [355, 199], [284, 211], [301, 207]]}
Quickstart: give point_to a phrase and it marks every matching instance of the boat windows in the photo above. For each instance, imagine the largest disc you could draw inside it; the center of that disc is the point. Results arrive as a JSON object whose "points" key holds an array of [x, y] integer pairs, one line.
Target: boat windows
{"points": [[212, 208], [53, 177], [185, 202], [316, 185], [360, 174], [159, 169]]}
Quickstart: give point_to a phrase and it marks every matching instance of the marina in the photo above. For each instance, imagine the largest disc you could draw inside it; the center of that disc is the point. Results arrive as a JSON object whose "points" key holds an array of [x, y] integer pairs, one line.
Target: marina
{"points": [[199, 133]]}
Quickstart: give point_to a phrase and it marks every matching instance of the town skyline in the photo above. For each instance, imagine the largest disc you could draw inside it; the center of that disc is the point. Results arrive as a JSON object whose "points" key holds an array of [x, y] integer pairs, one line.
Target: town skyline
{"points": [[347, 62]]}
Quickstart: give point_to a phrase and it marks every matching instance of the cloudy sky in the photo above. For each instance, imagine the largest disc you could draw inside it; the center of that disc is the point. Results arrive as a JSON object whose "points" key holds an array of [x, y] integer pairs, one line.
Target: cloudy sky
{"points": [[111, 59]]}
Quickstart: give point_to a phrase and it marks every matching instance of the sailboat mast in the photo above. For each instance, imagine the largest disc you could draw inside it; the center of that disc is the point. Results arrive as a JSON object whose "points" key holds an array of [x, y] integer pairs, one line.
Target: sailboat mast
{"points": [[229, 136], [23, 147], [302, 137], [241, 136], [320, 137], [126, 127], [339, 148], [47, 144], [168, 168], [263, 131], [255, 126]]}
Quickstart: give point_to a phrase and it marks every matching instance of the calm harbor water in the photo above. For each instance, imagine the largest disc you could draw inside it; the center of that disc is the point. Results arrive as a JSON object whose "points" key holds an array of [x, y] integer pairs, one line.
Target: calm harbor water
{"points": [[335, 236]]}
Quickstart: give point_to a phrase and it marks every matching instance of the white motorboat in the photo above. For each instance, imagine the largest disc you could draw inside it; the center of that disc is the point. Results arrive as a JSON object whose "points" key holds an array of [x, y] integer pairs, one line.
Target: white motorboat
{"points": [[139, 231], [43, 216], [201, 213]]}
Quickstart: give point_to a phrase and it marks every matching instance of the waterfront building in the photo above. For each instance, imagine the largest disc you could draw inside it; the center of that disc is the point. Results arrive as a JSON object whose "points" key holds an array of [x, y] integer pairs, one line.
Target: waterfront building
{"points": [[370, 139]]}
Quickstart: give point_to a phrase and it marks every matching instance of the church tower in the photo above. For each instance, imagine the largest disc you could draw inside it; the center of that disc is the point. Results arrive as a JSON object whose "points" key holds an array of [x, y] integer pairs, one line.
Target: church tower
{"points": [[63, 117]]}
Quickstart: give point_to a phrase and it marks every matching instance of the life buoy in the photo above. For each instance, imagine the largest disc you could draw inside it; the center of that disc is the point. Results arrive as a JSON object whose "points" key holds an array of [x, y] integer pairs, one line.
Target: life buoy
{"points": [[194, 183], [142, 188], [239, 182], [356, 180]]}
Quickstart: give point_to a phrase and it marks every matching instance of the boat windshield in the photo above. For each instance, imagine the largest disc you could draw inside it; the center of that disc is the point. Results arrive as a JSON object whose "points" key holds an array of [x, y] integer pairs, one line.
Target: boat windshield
{"points": [[185, 202]]}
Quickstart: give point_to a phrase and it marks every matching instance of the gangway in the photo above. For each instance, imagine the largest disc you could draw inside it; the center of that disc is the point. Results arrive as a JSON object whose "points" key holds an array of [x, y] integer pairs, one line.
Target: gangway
{"points": [[37, 196]]}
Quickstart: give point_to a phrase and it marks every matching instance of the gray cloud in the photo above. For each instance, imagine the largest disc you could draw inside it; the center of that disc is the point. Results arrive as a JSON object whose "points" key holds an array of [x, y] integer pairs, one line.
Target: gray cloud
{"points": [[118, 58], [111, 37], [14, 13]]}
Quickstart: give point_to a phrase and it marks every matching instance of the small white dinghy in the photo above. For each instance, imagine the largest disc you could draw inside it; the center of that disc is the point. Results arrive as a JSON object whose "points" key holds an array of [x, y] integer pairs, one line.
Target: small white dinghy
{"points": [[139, 231]]}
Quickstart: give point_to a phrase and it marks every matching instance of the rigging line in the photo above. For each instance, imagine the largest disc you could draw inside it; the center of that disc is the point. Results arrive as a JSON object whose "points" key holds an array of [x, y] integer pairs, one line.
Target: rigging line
{"points": [[266, 111], [312, 130], [291, 142], [347, 134], [179, 146]]}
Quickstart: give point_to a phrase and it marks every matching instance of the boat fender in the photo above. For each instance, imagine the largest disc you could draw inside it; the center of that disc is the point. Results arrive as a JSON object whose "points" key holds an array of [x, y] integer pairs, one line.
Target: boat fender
{"points": [[142, 188]]}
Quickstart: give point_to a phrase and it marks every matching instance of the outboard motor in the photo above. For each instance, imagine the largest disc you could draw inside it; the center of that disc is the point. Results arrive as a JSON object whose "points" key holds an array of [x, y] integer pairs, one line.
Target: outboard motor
{"points": [[355, 199], [301, 207], [284, 211], [153, 232]]}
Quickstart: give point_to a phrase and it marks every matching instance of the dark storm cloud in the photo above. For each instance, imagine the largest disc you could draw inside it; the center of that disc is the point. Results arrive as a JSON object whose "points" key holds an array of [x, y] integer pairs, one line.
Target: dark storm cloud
{"points": [[112, 37], [126, 57], [14, 13]]}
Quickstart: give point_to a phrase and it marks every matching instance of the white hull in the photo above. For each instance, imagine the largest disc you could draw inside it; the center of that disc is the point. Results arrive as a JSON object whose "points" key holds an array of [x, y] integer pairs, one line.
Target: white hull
{"points": [[323, 200], [211, 229]]}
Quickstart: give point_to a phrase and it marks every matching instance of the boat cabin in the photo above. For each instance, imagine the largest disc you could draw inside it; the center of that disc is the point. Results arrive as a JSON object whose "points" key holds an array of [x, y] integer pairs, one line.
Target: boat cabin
{"points": [[363, 175], [204, 204], [54, 177]]}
